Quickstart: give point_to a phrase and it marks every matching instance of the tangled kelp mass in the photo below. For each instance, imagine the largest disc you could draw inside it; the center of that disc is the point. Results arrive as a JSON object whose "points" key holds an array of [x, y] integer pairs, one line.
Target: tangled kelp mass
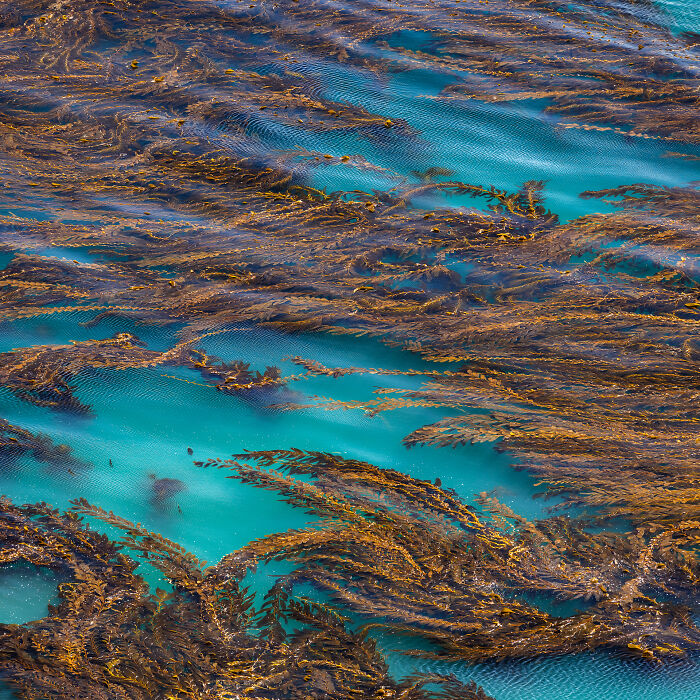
{"points": [[109, 637], [393, 547], [588, 370], [199, 169], [40, 374], [404, 551]]}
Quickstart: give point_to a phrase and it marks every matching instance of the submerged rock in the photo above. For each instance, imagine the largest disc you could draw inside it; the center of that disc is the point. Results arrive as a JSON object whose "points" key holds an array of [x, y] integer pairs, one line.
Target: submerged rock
{"points": [[164, 490]]}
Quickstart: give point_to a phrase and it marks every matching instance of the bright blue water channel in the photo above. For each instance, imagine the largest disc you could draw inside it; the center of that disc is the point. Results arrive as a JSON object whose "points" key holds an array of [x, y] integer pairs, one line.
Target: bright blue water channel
{"points": [[144, 420]]}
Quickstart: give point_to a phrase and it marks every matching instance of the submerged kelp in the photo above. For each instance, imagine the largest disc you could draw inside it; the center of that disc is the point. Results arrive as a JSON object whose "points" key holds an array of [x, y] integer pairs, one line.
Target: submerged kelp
{"points": [[410, 556], [582, 367], [603, 62], [109, 637], [405, 553], [163, 152], [41, 374], [16, 442], [587, 372]]}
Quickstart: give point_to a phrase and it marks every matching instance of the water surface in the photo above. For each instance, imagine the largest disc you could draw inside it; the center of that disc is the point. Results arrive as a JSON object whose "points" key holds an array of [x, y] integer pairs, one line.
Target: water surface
{"points": [[143, 420]]}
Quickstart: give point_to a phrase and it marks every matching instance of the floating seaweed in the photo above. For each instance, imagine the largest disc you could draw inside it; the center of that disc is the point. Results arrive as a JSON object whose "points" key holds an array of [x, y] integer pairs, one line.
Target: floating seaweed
{"points": [[413, 559], [236, 377], [109, 636], [42, 374], [572, 346]]}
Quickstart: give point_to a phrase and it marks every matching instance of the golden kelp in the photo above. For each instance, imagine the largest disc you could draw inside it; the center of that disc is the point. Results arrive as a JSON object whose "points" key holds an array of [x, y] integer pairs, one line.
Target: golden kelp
{"points": [[41, 374], [109, 637], [586, 370], [415, 560], [132, 133]]}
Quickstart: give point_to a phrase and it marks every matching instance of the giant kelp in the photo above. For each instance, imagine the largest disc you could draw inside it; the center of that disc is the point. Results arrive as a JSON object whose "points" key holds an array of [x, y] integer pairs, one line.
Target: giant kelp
{"points": [[41, 374], [134, 99], [587, 372], [574, 344], [16, 442], [579, 339], [108, 636], [602, 62], [138, 135], [416, 560], [405, 553]]}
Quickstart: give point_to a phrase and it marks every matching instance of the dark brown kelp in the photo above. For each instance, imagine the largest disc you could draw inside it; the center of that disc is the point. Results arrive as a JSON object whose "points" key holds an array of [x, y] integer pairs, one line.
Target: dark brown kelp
{"points": [[16, 442], [414, 559], [42, 374], [109, 637], [602, 64], [131, 133]]}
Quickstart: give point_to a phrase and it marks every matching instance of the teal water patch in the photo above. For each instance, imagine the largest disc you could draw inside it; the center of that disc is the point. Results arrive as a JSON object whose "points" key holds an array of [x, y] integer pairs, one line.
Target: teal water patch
{"points": [[144, 421], [681, 15], [26, 591], [598, 676], [5, 259]]}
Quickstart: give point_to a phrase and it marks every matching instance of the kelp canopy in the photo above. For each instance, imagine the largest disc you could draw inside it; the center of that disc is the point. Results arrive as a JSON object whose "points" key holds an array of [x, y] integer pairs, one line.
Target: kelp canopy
{"points": [[406, 553], [390, 546], [108, 637], [137, 136]]}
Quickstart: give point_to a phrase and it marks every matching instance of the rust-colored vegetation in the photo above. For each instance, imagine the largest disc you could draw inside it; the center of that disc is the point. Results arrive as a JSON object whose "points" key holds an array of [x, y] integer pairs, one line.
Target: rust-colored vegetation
{"points": [[572, 346], [416, 560], [110, 637]]}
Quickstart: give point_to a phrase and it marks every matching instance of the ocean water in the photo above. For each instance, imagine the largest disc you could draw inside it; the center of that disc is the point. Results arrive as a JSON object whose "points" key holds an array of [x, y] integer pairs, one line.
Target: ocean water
{"points": [[143, 421]]}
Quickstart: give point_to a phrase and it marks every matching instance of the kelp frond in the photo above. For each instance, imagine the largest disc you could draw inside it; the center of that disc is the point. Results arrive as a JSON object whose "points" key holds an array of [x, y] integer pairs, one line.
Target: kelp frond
{"points": [[411, 558], [109, 637]]}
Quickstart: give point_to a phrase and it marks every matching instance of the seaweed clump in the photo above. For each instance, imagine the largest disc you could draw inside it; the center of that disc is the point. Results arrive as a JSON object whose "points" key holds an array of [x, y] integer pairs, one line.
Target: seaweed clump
{"points": [[45, 375], [110, 637], [412, 558], [16, 442], [408, 556]]}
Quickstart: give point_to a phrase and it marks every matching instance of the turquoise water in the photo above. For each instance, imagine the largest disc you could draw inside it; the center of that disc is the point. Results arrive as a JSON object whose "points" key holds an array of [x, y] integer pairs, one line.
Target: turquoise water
{"points": [[144, 420], [500, 144], [492, 144], [681, 15]]}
